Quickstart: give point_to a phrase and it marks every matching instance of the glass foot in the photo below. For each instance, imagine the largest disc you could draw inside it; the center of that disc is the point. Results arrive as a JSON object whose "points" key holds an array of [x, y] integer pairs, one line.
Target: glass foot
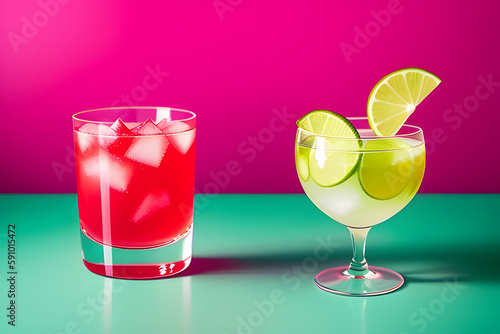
{"points": [[377, 282]]}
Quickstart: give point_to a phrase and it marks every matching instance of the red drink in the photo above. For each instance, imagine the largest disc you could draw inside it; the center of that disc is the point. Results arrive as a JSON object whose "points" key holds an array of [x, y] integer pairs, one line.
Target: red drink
{"points": [[135, 183]]}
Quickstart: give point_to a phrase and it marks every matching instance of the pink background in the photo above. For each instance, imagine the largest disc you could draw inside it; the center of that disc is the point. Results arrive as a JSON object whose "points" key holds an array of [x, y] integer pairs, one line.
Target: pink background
{"points": [[237, 63]]}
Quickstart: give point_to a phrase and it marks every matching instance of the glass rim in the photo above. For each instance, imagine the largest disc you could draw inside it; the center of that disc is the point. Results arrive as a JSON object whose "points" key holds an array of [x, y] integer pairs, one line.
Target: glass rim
{"points": [[363, 150], [417, 131], [75, 116]]}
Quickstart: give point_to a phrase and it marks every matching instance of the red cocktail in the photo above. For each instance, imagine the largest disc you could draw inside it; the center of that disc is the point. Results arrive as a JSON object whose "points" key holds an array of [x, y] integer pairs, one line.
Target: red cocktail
{"points": [[135, 177]]}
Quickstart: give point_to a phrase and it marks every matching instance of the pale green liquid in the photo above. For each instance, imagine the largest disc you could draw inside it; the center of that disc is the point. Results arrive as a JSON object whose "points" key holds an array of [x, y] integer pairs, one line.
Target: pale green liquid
{"points": [[349, 204]]}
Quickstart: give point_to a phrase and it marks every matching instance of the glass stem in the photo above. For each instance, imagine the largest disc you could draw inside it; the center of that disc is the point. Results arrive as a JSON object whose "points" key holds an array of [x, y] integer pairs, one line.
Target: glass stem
{"points": [[358, 266]]}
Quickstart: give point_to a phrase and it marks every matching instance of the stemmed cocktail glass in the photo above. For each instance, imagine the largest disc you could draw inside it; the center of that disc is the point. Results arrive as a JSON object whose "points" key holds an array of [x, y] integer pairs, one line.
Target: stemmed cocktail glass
{"points": [[360, 181]]}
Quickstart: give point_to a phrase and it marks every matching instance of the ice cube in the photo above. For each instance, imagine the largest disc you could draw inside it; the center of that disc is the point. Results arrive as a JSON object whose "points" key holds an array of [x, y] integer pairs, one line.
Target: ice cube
{"points": [[174, 127], [104, 133], [89, 128], [152, 203], [149, 149], [180, 135], [162, 124], [147, 128], [86, 135], [107, 136], [91, 166], [84, 141], [108, 169], [120, 128], [184, 140], [340, 203]]}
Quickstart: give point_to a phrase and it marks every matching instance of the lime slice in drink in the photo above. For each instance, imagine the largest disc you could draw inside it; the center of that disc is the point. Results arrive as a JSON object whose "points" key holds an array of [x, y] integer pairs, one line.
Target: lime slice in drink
{"points": [[302, 152], [332, 157], [386, 168], [394, 98]]}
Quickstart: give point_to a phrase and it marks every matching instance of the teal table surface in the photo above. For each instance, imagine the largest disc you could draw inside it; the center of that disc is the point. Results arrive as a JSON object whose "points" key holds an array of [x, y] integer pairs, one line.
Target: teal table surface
{"points": [[255, 257]]}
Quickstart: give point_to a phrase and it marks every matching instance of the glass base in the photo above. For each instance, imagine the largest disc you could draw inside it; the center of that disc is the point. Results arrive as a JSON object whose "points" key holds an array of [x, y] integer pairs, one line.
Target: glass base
{"points": [[144, 263], [377, 282]]}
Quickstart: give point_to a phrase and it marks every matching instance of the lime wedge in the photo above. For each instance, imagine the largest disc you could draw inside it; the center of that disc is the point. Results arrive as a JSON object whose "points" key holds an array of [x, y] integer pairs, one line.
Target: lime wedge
{"points": [[333, 156], [386, 168], [395, 97]]}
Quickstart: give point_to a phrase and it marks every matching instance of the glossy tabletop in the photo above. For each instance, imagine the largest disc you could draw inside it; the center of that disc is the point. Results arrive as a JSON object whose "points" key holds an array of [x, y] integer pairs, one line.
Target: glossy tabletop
{"points": [[255, 257]]}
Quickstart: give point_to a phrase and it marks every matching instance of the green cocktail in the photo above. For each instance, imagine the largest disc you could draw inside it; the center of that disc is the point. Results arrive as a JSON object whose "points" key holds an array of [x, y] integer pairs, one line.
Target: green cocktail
{"points": [[362, 171]]}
